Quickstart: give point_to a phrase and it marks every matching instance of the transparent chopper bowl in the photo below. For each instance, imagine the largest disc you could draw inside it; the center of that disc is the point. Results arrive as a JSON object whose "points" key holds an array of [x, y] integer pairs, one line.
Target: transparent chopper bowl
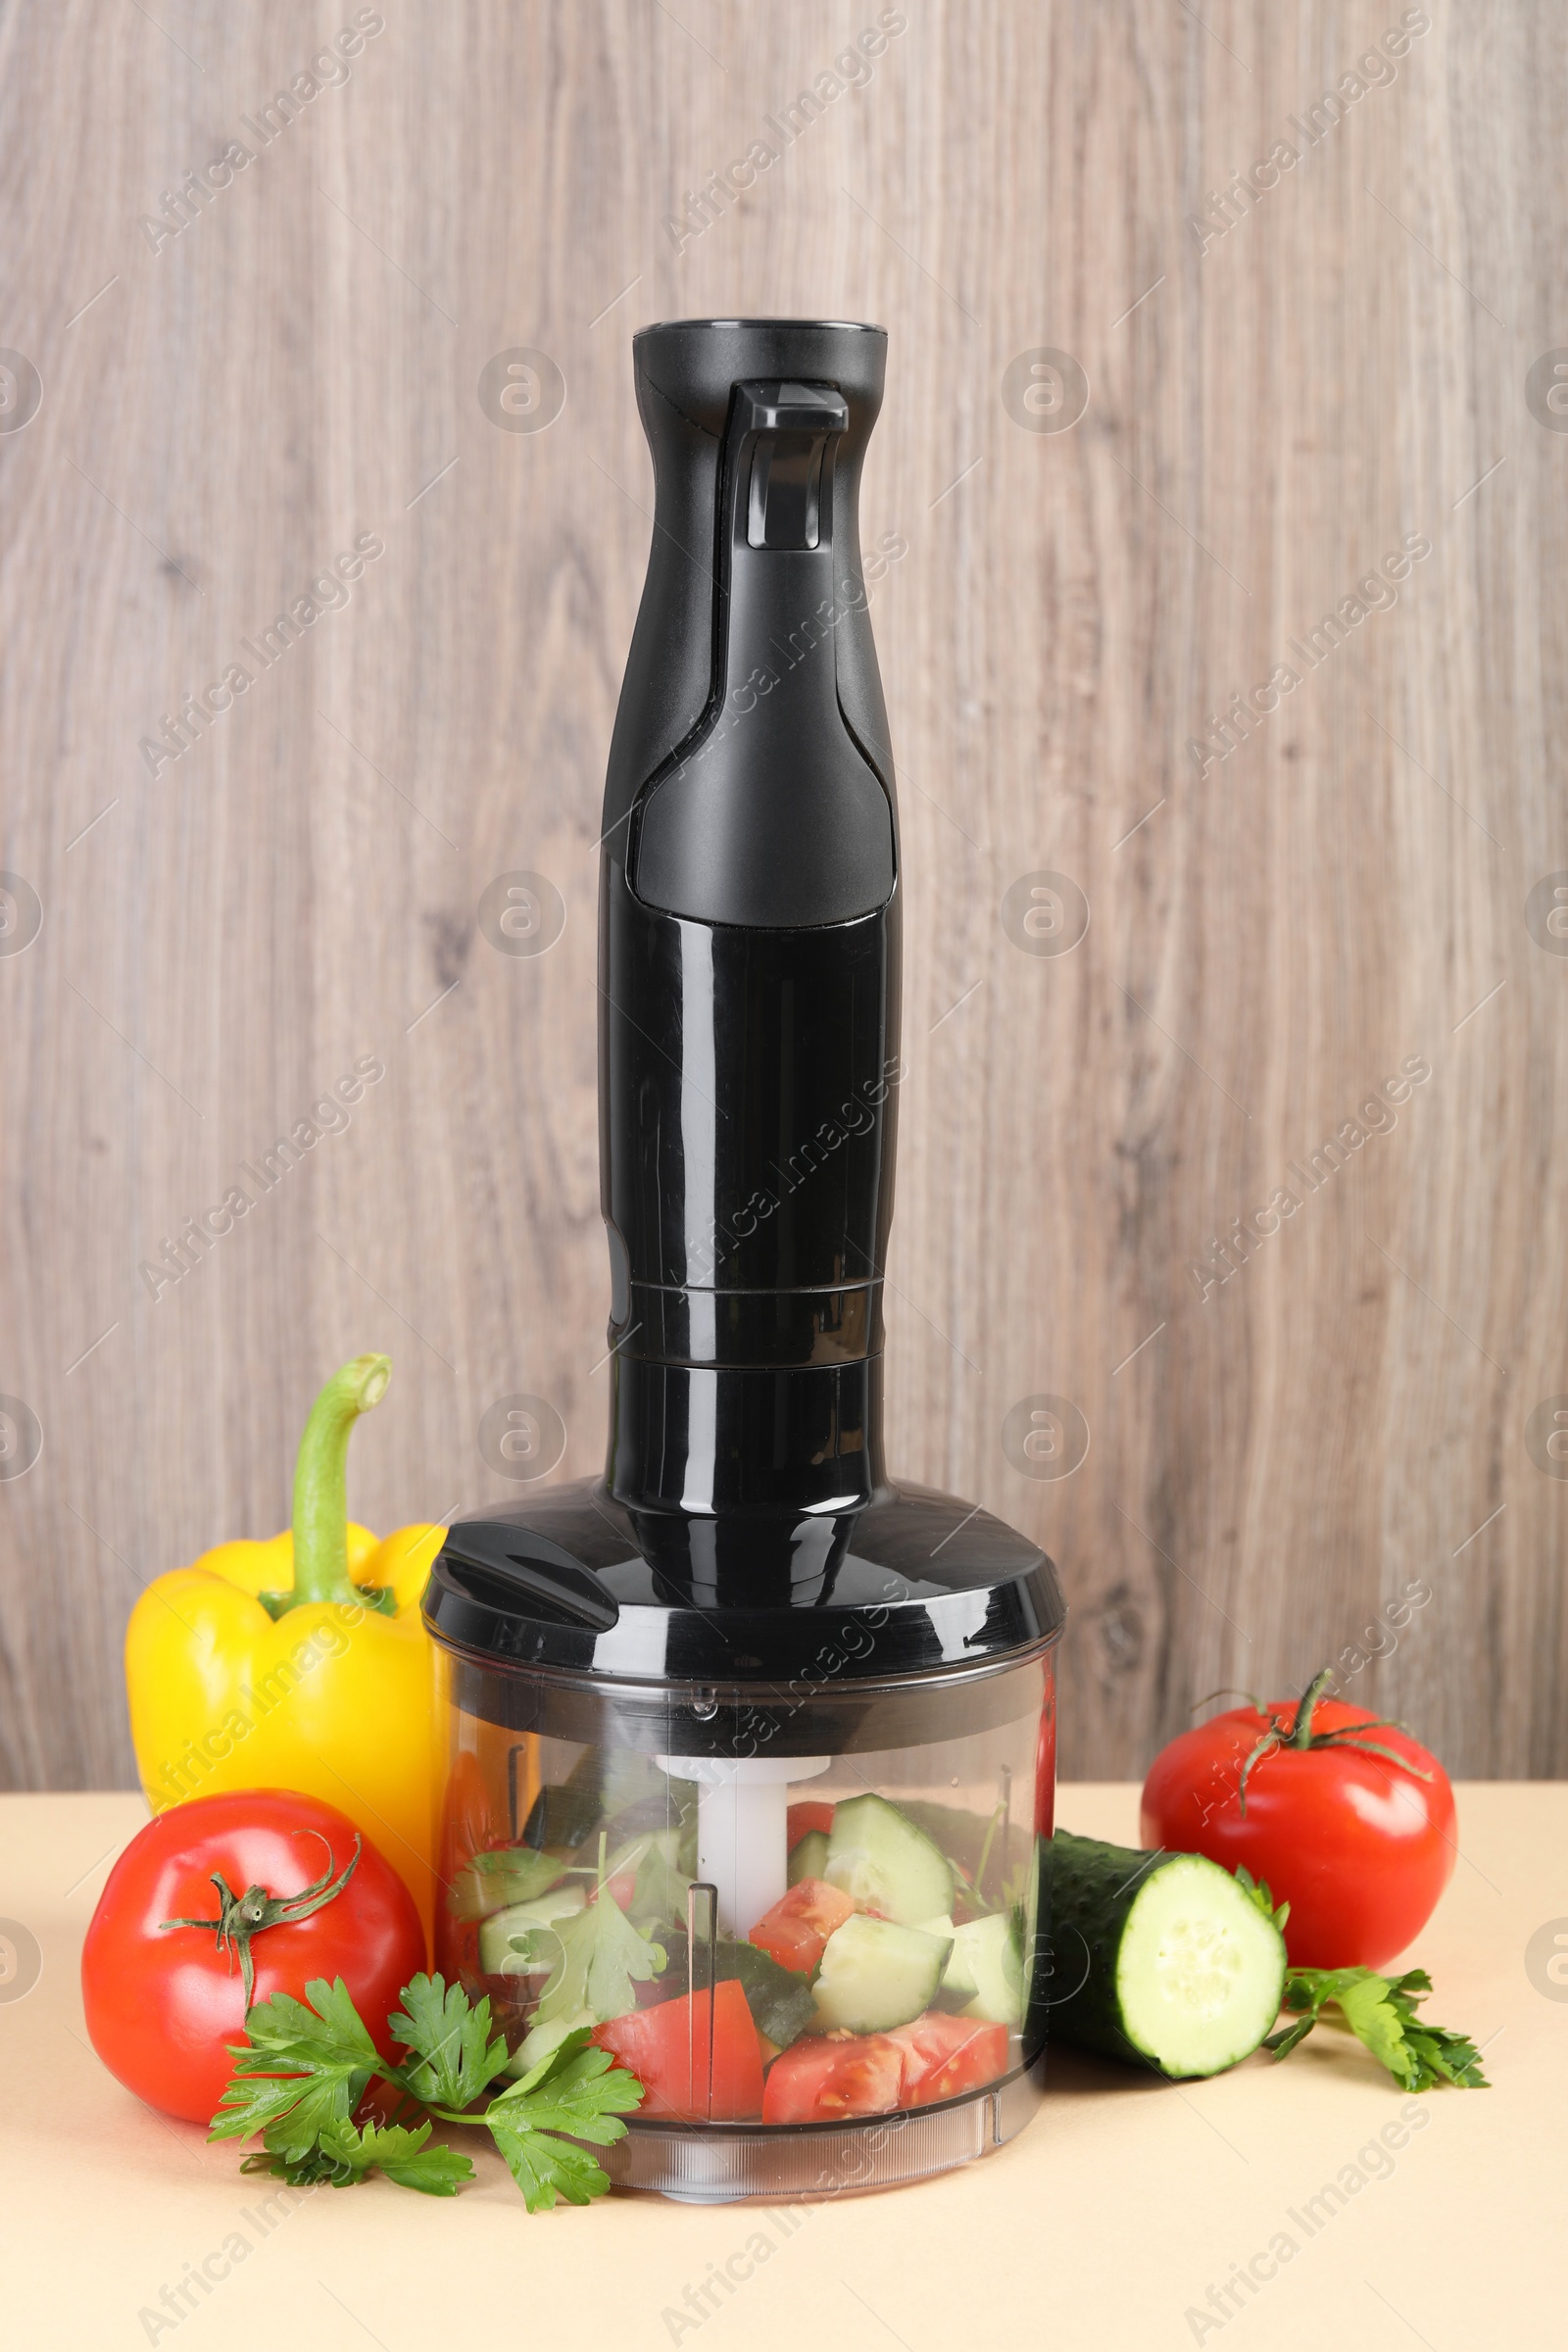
{"points": [[539, 1827]]}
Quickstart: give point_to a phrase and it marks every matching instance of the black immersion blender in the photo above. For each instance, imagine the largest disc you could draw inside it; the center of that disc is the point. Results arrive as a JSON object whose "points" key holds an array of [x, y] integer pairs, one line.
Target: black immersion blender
{"points": [[793, 1722]]}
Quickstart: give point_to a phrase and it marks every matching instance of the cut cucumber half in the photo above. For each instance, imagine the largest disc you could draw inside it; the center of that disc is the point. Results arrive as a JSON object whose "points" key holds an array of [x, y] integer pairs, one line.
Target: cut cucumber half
{"points": [[875, 1975], [884, 1864], [507, 1945], [1185, 1972], [809, 1856]]}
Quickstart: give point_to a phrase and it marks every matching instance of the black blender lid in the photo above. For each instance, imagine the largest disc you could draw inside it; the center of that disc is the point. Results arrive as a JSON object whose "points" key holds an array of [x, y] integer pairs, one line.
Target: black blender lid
{"points": [[915, 1582], [849, 327]]}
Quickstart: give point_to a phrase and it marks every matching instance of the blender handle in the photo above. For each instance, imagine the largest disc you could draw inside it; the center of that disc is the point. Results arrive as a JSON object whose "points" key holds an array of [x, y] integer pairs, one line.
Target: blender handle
{"points": [[691, 377], [772, 813]]}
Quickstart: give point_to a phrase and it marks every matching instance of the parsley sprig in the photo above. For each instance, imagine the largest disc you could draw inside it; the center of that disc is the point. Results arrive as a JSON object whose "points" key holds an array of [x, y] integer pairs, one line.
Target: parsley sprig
{"points": [[307, 2064], [1381, 2011]]}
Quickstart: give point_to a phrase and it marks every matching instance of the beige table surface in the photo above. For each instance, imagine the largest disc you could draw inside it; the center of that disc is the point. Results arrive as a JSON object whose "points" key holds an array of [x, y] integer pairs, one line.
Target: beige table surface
{"points": [[1104, 2226]]}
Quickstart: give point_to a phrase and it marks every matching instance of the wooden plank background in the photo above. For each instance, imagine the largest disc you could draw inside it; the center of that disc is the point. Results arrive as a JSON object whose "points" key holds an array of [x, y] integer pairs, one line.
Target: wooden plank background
{"points": [[1272, 409]]}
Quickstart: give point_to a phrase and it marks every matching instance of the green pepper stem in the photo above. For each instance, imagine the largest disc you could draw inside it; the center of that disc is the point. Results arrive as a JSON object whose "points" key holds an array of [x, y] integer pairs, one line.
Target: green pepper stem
{"points": [[321, 1480]]}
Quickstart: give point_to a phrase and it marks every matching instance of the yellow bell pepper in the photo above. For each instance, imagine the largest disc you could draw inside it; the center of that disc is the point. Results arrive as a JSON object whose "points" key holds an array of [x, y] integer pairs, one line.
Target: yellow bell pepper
{"points": [[302, 1662]]}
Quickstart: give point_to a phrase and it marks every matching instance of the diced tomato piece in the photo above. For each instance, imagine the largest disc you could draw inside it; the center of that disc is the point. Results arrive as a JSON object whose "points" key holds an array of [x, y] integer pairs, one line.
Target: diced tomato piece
{"points": [[812, 1813], [623, 1885], [944, 2056], [800, 1922], [824, 2078], [668, 2049]]}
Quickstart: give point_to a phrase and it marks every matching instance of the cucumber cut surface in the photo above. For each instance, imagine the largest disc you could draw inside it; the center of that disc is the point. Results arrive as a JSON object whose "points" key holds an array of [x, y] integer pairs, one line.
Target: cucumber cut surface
{"points": [[1181, 1968], [875, 1975], [809, 1856], [884, 1863], [956, 1978], [986, 1963]]}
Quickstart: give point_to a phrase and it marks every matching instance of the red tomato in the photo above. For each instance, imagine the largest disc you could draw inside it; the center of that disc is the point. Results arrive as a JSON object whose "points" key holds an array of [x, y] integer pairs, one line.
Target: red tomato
{"points": [[824, 2078], [812, 1813], [1045, 1757], [800, 1922], [944, 2056], [666, 2050], [1360, 1847], [162, 2003]]}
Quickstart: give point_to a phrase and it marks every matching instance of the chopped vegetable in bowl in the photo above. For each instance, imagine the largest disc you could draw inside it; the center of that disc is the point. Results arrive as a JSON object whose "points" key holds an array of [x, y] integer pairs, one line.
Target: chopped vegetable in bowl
{"points": [[890, 1974]]}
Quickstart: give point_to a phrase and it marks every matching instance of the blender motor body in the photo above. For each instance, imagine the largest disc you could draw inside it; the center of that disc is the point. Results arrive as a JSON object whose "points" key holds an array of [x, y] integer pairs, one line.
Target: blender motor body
{"points": [[751, 1752]]}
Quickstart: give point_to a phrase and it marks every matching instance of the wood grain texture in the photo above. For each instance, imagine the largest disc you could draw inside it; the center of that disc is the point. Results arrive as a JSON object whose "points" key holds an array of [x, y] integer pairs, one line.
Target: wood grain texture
{"points": [[1283, 405]]}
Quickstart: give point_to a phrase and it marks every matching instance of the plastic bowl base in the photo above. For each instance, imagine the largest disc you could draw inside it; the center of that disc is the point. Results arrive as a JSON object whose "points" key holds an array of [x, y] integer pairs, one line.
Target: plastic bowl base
{"points": [[726, 2164]]}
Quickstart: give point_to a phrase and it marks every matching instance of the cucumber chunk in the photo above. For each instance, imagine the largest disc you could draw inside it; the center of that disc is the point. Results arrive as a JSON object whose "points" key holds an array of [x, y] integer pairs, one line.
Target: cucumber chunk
{"points": [[883, 1863], [990, 1966], [514, 1874], [956, 1978], [875, 1975], [984, 1974], [510, 1941], [809, 1856], [1185, 1973]]}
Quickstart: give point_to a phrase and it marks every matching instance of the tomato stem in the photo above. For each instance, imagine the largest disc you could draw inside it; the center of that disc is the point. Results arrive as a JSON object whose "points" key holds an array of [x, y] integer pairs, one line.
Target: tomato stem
{"points": [[1301, 1735], [242, 1916], [1303, 1739], [1266, 1747], [1369, 1748], [1251, 1698]]}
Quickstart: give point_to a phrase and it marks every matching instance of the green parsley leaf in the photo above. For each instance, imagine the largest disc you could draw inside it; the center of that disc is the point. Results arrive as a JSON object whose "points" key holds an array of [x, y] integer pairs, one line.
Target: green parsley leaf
{"points": [[301, 2069], [602, 1957], [401, 2154], [574, 2088], [1258, 1890], [284, 2031], [577, 2088], [661, 1888], [343, 2156], [454, 2058], [308, 2171], [293, 2107], [1382, 2012], [545, 2168]]}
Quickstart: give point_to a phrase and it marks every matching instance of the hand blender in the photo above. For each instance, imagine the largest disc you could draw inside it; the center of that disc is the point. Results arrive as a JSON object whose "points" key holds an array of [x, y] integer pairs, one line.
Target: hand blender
{"points": [[750, 1759]]}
